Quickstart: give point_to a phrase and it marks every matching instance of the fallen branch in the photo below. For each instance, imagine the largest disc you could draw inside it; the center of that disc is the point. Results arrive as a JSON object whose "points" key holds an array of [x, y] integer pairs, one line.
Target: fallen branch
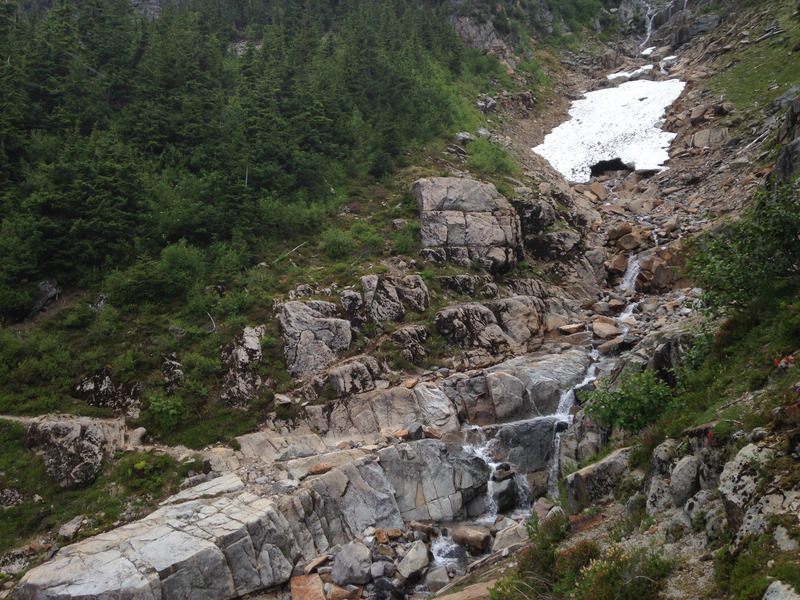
{"points": [[289, 252], [213, 325]]}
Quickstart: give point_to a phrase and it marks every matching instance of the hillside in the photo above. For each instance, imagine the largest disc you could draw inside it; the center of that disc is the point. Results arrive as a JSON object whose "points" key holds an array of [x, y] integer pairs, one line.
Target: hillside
{"points": [[315, 322]]}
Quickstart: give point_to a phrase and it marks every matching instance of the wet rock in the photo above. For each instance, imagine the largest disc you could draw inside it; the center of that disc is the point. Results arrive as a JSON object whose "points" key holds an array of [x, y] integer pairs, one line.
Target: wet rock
{"points": [[504, 494], [312, 334], [465, 221], [352, 565], [433, 481], [528, 445], [477, 539]]}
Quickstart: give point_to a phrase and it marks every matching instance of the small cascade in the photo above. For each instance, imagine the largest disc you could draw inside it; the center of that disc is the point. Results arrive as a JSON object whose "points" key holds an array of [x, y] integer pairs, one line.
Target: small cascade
{"points": [[483, 450], [564, 420], [444, 551], [649, 17], [632, 270], [625, 314]]}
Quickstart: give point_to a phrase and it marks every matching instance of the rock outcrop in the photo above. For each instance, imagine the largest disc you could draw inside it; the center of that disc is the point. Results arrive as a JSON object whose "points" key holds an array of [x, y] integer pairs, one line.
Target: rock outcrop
{"points": [[465, 221], [312, 332], [241, 383], [73, 447], [386, 298]]}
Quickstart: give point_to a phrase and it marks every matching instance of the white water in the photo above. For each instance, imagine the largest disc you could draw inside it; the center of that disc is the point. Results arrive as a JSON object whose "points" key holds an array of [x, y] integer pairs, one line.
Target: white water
{"points": [[631, 273], [623, 122], [440, 548], [565, 403]]}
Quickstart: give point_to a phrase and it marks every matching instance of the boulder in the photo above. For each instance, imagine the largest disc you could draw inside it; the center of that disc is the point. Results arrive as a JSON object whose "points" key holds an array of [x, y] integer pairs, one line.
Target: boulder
{"points": [[352, 565], [312, 333], [307, 587], [595, 483], [477, 539], [437, 579], [464, 284], [72, 450], [684, 481], [173, 373], [471, 325], [46, 293], [386, 298], [465, 221], [241, 384], [510, 536], [411, 338], [434, 481], [788, 161], [415, 561], [528, 445], [583, 439], [778, 590], [99, 389], [352, 304], [354, 376], [739, 481]]}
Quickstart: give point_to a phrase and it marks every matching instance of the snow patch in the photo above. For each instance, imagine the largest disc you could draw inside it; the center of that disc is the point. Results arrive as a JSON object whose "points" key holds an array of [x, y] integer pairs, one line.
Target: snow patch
{"points": [[622, 122]]}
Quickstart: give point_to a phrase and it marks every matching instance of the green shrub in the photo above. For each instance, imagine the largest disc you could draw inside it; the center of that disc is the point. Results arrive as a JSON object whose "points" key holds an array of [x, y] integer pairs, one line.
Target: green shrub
{"points": [[489, 158], [337, 243], [165, 412], [638, 401], [743, 260], [623, 575]]}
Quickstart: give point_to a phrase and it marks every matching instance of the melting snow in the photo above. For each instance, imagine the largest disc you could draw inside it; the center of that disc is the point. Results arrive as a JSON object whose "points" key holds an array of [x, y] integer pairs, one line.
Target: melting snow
{"points": [[622, 122]]}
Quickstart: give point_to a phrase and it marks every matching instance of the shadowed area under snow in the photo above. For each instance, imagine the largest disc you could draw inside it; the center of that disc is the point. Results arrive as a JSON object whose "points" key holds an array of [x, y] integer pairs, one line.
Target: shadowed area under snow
{"points": [[622, 122]]}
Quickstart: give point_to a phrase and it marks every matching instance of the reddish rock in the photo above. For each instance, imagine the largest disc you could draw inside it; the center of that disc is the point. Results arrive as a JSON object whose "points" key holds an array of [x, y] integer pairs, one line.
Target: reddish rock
{"points": [[381, 536], [599, 190], [339, 593], [307, 587], [475, 538], [433, 433], [320, 468], [394, 533], [605, 331], [571, 328]]}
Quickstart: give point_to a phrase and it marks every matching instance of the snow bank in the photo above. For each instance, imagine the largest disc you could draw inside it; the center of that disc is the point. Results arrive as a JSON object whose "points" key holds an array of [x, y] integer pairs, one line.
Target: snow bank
{"points": [[622, 122]]}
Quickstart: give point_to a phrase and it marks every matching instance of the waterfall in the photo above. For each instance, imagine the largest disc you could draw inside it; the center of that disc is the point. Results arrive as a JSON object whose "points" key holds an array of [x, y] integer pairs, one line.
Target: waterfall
{"points": [[565, 403], [632, 269]]}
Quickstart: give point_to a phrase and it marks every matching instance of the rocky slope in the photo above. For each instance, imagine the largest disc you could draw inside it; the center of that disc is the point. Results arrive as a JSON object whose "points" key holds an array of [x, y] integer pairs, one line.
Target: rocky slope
{"points": [[360, 490]]}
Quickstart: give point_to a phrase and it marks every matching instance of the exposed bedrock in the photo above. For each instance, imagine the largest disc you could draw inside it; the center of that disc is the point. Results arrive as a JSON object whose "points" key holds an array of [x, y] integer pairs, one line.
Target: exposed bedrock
{"points": [[226, 547]]}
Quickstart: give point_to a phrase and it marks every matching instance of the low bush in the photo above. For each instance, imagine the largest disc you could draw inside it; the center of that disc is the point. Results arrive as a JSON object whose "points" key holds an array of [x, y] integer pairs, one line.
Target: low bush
{"points": [[637, 402]]}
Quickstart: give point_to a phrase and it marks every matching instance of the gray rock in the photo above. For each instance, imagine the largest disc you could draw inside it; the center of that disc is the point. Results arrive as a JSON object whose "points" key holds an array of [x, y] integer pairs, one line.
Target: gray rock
{"points": [[355, 375], [352, 565], [386, 298], [70, 529], [684, 480], [351, 303], [788, 161], [465, 221], [412, 339], [312, 334], [72, 451], [414, 562], [594, 483], [437, 579], [241, 383], [509, 537], [99, 389], [47, 291], [434, 481], [173, 374], [739, 481], [778, 590], [471, 325], [583, 439]]}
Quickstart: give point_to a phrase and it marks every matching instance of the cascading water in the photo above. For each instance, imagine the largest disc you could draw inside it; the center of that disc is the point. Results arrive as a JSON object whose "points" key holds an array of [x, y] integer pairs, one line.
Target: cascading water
{"points": [[565, 403], [632, 270]]}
